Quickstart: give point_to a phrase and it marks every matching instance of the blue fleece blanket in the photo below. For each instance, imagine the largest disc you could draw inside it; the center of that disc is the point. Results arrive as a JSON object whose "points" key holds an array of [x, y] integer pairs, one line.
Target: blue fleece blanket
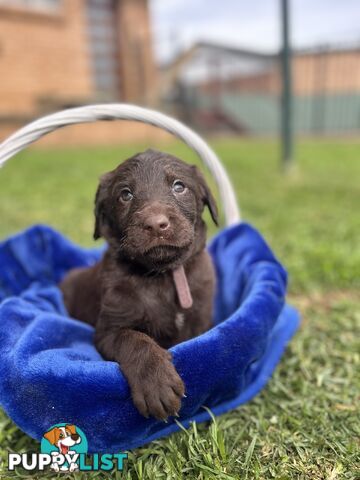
{"points": [[50, 371]]}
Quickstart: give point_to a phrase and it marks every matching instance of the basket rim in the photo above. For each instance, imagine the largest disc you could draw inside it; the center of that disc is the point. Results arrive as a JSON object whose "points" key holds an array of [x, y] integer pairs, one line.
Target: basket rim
{"points": [[121, 111]]}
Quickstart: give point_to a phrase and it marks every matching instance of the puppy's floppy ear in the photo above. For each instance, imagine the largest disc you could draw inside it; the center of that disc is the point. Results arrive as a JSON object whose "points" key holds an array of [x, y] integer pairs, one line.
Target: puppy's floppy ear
{"points": [[101, 193], [206, 195], [52, 435]]}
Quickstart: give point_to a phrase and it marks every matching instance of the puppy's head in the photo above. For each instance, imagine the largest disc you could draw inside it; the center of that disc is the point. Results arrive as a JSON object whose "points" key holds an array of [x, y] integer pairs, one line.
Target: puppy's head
{"points": [[63, 437], [149, 209]]}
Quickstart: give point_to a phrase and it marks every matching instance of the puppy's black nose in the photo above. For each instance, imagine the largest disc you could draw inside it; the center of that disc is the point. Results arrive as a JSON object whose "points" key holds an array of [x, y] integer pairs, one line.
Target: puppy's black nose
{"points": [[157, 223], [74, 436]]}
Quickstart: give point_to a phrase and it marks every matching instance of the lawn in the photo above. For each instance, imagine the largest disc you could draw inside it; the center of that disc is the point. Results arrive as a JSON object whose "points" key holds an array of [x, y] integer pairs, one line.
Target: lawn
{"points": [[304, 425]]}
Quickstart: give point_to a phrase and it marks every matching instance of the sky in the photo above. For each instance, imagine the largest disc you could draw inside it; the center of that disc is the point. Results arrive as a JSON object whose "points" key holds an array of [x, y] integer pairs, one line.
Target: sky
{"points": [[253, 24]]}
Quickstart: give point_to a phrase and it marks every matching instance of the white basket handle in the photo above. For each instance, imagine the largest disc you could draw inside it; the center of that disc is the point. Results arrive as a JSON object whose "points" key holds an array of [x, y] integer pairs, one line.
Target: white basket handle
{"points": [[117, 111]]}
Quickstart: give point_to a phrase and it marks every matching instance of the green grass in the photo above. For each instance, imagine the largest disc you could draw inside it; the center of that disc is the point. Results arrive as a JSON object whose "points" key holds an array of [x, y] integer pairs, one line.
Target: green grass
{"points": [[304, 425]]}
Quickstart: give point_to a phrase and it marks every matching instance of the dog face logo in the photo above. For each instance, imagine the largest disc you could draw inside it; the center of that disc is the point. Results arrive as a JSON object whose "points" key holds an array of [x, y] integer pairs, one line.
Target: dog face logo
{"points": [[63, 438], [64, 442]]}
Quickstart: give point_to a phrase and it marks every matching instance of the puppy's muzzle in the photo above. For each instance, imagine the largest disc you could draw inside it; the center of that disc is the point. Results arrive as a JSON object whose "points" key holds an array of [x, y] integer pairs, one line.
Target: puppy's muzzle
{"points": [[157, 223], [157, 219]]}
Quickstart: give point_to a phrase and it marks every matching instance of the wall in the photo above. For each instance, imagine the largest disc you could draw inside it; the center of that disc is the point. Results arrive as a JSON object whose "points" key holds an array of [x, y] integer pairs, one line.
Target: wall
{"points": [[328, 72], [45, 64], [138, 75], [312, 73], [42, 55]]}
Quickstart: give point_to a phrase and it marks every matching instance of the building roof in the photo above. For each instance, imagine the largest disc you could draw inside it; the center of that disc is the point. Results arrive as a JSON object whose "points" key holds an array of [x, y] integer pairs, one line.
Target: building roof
{"points": [[213, 47], [236, 51]]}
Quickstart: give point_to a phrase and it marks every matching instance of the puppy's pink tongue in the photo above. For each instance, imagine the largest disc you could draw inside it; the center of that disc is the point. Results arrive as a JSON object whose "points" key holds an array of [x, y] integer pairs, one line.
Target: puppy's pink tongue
{"points": [[182, 287]]}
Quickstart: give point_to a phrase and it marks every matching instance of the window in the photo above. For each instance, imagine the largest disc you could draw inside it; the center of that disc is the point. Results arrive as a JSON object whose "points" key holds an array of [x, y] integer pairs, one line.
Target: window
{"points": [[103, 47], [40, 5]]}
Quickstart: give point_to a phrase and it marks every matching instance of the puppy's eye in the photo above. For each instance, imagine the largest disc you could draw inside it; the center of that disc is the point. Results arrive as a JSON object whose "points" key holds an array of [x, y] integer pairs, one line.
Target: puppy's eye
{"points": [[126, 195], [178, 187], [61, 435]]}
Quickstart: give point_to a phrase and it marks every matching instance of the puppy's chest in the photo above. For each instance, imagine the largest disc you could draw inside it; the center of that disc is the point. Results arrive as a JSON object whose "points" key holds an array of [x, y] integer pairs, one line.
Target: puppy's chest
{"points": [[164, 318]]}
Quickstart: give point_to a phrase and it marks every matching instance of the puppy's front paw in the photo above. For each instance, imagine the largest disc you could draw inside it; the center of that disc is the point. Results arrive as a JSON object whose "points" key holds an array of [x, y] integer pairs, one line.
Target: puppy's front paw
{"points": [[158, 390]]}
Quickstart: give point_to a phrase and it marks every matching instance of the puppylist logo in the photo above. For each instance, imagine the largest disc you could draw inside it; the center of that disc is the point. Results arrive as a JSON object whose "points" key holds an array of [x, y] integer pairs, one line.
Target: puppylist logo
{"points": [[64, 449]]}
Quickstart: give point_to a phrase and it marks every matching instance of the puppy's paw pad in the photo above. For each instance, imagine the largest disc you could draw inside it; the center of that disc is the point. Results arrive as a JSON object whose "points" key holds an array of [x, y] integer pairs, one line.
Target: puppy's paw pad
{"points": [[159, 394]]}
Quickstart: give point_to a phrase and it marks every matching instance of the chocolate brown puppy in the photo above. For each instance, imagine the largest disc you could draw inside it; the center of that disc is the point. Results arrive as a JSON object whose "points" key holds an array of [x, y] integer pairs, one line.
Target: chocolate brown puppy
{"points": [[154, 285]]}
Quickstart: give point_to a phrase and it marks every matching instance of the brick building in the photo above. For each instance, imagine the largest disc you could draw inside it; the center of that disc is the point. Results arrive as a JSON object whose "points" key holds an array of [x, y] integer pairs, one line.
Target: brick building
{"points": [[61, 53], [212, 67], [214, 86]]}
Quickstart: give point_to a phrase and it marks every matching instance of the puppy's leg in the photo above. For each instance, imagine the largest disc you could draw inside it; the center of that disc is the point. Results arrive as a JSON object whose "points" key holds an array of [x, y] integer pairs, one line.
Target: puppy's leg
{"points": [[81, 293], [156, 387]]}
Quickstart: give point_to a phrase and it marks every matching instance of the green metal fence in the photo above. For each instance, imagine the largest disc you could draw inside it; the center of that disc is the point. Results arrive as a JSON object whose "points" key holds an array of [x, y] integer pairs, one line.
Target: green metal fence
{"points": [[241, 91], [259, 114]]}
